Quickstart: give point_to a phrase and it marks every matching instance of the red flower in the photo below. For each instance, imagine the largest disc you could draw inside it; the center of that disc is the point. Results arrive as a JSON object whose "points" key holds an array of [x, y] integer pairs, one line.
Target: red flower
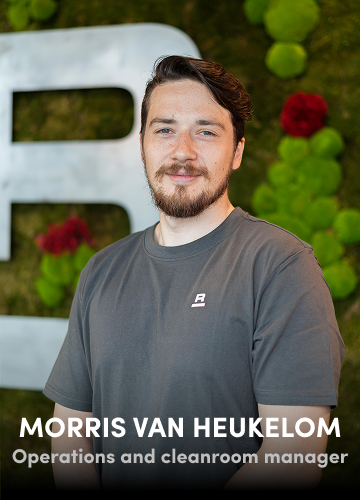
{"points": [[66, 237], [303, 114]]}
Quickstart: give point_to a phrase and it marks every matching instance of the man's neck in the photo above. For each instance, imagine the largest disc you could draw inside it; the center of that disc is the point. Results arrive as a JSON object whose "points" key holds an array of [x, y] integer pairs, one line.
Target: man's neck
{"points": [[171, 231]]}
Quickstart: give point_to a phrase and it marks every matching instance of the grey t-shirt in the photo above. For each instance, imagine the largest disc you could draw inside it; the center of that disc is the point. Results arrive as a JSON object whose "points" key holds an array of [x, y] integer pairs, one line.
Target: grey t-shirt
{"points": [[208, 329]]}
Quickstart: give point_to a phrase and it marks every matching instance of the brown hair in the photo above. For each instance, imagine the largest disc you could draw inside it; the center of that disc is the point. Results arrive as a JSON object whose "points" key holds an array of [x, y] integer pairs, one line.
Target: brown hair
{"points": [[226, 89]]}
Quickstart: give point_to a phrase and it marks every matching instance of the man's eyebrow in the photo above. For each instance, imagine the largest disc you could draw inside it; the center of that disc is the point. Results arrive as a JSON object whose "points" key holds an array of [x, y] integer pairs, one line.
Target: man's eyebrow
{"points": [[171, 121], [210, 122], [166, 121]]}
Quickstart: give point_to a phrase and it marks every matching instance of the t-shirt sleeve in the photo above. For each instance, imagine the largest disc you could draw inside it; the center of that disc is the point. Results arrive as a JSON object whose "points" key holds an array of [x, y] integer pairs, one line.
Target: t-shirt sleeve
{"points": [[297, 347], [69, 383]]}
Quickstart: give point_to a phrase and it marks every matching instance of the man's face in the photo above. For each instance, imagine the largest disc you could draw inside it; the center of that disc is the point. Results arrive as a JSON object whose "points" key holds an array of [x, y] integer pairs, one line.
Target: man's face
{"points": [[188, 148]]}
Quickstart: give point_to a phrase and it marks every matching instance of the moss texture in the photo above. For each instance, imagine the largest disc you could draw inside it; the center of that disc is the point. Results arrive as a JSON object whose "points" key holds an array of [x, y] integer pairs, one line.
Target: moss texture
{"points": [[222, 34]]}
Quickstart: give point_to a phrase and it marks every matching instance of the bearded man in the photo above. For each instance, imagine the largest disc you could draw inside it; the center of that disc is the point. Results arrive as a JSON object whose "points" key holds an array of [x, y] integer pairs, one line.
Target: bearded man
{"points": [[208, 320]]}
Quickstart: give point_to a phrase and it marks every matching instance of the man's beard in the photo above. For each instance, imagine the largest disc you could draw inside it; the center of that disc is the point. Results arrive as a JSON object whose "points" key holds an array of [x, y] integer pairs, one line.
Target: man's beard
{"points": [[180, 204]]}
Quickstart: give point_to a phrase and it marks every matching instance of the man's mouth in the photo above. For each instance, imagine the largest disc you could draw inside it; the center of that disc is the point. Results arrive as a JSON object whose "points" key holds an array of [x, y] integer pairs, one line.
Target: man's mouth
{"points": [[182, 173], [183, 177]]}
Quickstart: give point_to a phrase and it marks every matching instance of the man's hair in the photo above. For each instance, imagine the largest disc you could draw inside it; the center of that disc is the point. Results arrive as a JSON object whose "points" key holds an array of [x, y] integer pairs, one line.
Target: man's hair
{"points": [[226, 89]]}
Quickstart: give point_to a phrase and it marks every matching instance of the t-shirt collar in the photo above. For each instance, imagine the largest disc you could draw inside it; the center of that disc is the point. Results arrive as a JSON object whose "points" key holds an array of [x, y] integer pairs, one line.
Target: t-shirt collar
{"points": [[196, 247]]}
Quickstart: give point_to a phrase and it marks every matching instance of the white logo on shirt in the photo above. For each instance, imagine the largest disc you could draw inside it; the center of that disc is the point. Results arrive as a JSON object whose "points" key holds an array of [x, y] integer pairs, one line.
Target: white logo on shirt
{"points": [[199, 300]]}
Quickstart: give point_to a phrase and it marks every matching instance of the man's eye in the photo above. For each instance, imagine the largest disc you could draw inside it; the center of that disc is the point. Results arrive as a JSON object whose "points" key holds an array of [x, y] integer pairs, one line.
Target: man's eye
{"points": [[163, 131], [207, 132]]}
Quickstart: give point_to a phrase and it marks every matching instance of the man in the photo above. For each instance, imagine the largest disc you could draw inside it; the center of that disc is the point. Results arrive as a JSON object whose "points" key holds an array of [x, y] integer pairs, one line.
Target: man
{"points": [[210, 314]]}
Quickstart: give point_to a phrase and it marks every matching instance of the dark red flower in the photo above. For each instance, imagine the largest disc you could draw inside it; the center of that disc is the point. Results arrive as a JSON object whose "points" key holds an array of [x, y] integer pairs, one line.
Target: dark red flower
{"points": [[66, 237], [303, 114]]}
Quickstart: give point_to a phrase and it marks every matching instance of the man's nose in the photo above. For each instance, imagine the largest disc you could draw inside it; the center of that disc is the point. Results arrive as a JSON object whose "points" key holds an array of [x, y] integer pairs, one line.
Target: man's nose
{"points": [[184, 148]]}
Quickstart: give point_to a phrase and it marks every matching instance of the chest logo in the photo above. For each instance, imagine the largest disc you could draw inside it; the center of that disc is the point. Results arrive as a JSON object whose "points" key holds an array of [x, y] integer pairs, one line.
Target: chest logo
{"points": [[199, 300]]}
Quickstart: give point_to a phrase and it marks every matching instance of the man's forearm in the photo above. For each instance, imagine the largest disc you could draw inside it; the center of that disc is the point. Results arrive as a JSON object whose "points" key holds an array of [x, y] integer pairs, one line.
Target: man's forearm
{"points": [[263, 475], [76, 474], [284, 475]]}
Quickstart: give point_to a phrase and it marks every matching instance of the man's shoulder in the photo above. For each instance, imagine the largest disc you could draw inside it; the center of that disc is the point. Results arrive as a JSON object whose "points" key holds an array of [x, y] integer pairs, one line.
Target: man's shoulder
{"points": [[119, 248], [268, 249], [110, 257], [268, 243], [261, 232]]}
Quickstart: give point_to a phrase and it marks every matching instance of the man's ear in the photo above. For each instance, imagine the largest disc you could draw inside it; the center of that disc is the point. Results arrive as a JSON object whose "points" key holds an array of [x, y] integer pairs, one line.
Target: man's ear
{"points": [[238, 154], [141, 148]]}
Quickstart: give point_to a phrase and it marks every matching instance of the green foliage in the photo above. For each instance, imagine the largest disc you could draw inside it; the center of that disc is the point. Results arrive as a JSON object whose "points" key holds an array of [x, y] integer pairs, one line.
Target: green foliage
{"points": [[288, 22], [263, 199], [299, 203], [347, 225], [291, 224], [58, 270], [291, 199], [327, 142], [280, 174], [293, 149], [299, 192], [298, 199], [21, 3], [320, 176], [18, 16], [82, 255], [286, 60], [20, 12], [321, 213], [326, 248], [341, 278], [255, 10], [291, 20], [42, 10], [50, 293], [72, 114]]}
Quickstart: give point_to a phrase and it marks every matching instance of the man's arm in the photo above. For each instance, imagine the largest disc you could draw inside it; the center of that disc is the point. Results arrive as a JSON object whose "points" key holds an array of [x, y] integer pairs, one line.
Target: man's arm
{"points": [[293, 475], [73, 475]]}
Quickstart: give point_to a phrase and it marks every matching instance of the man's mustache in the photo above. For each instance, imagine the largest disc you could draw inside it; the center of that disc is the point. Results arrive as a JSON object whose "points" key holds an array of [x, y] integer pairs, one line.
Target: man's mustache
{"points": [[184, 167]]}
